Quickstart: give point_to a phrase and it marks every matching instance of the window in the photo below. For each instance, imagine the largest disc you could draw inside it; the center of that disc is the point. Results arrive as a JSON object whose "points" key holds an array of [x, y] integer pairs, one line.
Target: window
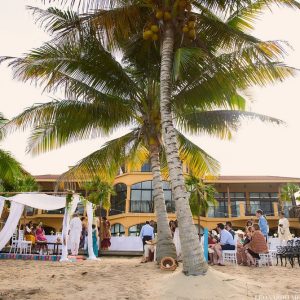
{"points": [[236, 199], [118, 201], [141, 197], [117, 230], [146, 167], [263, 201], [135, 229]]}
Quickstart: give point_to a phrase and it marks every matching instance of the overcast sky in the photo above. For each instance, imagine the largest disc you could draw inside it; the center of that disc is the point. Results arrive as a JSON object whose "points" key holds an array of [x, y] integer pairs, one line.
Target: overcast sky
{"points": [[257, 149]]}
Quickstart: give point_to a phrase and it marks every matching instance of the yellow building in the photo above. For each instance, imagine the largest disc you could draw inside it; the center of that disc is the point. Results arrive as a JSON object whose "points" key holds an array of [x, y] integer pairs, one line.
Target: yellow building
{"points": [[238, 196]]}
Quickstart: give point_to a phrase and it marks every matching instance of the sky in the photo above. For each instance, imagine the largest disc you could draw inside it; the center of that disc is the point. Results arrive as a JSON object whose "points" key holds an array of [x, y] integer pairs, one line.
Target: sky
{"points": [[256, 149]]}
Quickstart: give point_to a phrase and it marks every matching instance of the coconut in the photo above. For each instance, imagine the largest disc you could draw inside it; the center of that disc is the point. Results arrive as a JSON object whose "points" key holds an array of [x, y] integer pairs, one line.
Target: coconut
{"points": [[159, 14], [167, 16], [185, 29], [147, 34], [154, 28], [192, 33], [191, 24], [154, 37]]}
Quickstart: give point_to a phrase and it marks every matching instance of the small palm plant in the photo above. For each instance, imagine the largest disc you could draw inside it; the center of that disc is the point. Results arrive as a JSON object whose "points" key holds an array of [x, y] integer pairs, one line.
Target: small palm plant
{"points": [[287, 194], [202, 196]]}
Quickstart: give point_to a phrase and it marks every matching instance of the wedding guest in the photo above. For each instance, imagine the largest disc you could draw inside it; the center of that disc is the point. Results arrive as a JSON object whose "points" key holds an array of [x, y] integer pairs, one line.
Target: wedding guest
{"points": [[105, 234], [75, 233], [226, 243], [147, 233], [257, 245], [263, 223], [29, 233], [284, 233], [95, 242]]}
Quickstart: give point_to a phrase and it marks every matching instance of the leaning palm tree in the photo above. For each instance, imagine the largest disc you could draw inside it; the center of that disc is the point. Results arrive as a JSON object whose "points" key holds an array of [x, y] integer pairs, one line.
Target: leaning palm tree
{"points": [[174, 24]]}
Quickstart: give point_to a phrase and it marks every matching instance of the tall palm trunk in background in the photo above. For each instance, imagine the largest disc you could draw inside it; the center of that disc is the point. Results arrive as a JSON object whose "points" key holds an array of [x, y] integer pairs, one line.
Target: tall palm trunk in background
{"points": [[165, 246], [192, 254]]}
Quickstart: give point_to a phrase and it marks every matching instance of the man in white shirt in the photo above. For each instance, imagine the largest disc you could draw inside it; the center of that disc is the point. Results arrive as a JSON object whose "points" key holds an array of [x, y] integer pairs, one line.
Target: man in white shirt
{"points": [[75, 233], [147, 233], [226, 243]]}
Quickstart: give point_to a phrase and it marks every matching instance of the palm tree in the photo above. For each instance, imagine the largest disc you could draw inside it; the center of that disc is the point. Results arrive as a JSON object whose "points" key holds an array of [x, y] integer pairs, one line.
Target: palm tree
{"points": [[176, 24], [202, 196], [10, 169], [99, 192], [255, 60], [288, 191]]}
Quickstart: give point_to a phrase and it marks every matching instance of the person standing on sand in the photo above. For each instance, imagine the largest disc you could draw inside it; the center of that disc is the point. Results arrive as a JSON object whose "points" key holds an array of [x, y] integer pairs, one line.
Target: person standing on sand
{"points": [[284, 233], [105, 234], [262, 223], [147, 233], [75, 233]]}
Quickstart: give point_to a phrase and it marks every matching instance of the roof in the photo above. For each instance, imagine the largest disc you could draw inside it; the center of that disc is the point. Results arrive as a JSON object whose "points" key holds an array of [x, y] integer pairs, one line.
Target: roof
{"points": [[47, 177], [220, 179], [239, 179]]}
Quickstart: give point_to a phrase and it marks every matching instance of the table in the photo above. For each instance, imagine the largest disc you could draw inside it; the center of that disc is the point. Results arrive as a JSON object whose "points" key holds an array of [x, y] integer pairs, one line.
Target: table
{"points": [[126, 243], [55, 245]]}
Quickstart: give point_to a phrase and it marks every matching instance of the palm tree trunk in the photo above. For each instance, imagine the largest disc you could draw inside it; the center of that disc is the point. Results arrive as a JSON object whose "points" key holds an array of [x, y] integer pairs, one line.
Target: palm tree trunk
{"points": [[165, 245], [192, 253]]}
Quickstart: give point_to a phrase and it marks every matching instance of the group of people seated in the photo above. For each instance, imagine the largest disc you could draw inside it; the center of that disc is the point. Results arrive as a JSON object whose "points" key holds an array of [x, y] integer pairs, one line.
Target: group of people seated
{"points": [[248, 244]]}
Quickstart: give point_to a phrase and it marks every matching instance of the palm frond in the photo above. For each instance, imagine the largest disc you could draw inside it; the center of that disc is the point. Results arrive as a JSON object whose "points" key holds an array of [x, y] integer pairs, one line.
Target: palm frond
{"points": [[219, 123], [198, 161]]}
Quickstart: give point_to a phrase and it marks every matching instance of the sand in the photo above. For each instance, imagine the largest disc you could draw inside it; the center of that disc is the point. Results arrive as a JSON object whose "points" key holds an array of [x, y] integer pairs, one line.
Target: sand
{"points": [[126, 278]]}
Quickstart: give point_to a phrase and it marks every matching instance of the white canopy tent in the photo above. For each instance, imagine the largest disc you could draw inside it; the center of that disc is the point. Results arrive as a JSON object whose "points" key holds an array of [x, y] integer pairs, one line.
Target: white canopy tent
{"points": [[45, 202]]}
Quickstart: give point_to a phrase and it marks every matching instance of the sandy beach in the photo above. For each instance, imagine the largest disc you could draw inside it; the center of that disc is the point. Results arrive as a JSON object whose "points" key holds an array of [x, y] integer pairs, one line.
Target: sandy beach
{"points": [[126, 278]]}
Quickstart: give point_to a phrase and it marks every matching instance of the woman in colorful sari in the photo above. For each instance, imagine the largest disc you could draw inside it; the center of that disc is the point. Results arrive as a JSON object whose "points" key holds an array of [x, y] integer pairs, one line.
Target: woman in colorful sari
{"points": [[95, 242], [105, 234], [29, 233]]}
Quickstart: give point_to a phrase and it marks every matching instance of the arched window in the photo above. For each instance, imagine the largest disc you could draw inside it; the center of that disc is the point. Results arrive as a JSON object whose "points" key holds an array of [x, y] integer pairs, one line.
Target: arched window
{"points": [[141, 197], [117, 230], [118, 201], [135, 229]]}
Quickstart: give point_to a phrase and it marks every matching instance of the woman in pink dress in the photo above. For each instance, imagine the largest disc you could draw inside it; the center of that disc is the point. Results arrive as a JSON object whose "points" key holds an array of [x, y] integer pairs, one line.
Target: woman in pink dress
{"points": [[40, 238], [40, 233]]}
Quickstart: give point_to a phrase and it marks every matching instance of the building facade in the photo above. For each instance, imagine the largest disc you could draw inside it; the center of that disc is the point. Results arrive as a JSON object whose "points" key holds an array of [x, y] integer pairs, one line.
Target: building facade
{"points": [[132, 205]]}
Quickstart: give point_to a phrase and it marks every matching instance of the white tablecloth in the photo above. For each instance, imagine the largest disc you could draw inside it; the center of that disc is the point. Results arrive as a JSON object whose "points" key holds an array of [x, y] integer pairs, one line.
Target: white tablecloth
{"points": [[126, 243], [52, 239]]}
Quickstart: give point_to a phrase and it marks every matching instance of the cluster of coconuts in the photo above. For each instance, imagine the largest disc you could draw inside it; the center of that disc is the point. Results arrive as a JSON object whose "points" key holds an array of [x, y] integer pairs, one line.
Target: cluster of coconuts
{"points": [[151, 32], [189, 27]]}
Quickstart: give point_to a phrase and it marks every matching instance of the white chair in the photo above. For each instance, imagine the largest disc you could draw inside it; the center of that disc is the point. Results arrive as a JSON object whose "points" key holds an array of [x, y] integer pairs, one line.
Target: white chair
{"points": [[23, 245], [230, 255], [14, 243], [265, 260]]}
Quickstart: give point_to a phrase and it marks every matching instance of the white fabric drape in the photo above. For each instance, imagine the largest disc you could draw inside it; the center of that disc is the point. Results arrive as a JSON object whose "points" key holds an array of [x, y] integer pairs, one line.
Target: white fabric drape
{"points": [[2, 201], [66, 224], [89, 212], [40, 201], [11, 223]]}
